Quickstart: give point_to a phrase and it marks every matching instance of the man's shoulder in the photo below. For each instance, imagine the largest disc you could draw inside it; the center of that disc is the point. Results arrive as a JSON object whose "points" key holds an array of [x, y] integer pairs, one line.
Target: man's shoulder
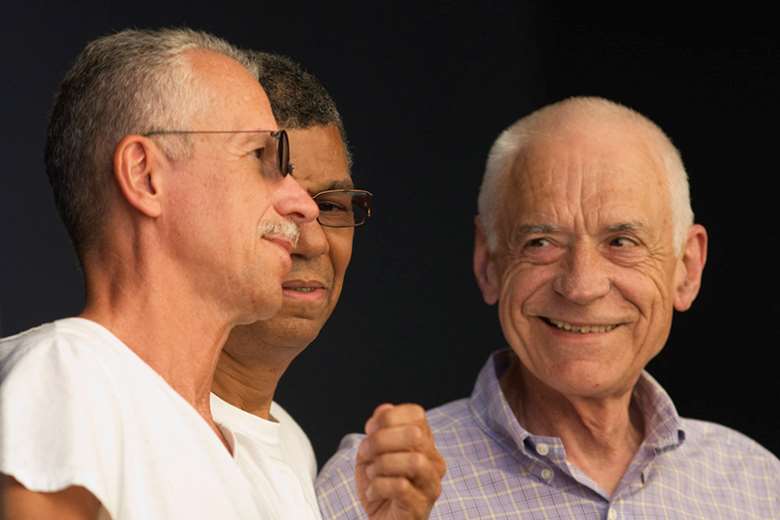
{"points": [[53, 348], [289, 425], [17, 347], [454, 426], [705, 437], [454, 414], [295, 441], [56, 399]]}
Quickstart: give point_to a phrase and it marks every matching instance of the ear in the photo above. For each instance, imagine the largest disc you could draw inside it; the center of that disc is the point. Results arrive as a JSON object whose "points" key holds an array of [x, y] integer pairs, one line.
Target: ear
{"points": [[485, 269], [690, 267], [137, 173]]}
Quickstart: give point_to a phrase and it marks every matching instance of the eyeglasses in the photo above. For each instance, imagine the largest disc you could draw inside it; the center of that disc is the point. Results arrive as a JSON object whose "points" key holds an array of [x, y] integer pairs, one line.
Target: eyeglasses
{"points": [[275, 154], [344, 207]]}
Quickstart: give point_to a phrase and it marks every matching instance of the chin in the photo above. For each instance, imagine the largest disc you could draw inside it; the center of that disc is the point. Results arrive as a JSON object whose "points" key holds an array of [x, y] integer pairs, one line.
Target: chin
{"points": [[591, 382], [293, 330]]}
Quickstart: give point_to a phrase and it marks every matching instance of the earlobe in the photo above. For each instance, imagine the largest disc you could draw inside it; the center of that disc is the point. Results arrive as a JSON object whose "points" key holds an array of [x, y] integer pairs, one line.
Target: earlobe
{"points": [[136, 174], [484, 266], [690, 267]]}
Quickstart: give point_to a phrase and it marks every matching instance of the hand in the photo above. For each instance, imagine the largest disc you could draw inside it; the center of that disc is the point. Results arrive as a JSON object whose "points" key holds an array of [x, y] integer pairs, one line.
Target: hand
{"points": [[398, 471]]}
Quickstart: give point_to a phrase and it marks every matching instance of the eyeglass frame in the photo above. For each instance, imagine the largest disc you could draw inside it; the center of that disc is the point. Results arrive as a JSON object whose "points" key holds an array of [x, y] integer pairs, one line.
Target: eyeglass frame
{"points": [[282, 150], [344, 190]]}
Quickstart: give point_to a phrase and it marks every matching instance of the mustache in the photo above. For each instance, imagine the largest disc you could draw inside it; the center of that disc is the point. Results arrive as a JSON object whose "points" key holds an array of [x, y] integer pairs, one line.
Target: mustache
{"points": [[286, 229]]}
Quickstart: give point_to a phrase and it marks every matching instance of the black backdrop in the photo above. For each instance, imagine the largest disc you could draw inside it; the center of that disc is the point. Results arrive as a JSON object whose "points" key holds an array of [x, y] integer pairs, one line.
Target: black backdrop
{"points": [[424, 89]]}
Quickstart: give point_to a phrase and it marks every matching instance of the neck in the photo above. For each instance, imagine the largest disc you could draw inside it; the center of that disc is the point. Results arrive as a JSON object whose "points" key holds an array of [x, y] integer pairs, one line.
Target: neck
{"points": [[249, 370], [600, 436], [176, 332]]}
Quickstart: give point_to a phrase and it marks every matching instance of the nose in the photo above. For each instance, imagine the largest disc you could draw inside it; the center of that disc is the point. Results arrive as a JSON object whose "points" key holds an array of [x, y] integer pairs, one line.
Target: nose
{"points": [[584, 275], [312, 242], [293, 202]]}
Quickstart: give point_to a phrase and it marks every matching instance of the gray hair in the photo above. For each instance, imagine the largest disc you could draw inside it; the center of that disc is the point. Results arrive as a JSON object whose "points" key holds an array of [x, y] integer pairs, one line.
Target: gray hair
{"points": [[510, 144], [298, 99], [133, 81]]}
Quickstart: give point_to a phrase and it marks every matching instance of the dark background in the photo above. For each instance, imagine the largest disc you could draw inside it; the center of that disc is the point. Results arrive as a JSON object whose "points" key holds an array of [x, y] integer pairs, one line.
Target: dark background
{"points": [[424, 89]]}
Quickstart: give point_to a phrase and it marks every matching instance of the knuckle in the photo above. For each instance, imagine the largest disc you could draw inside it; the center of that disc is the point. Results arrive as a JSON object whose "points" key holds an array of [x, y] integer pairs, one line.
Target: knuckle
{"points": [[402, 485], [414, 412], [383, 464], [416, 436], [418, 412], [417, 462]]}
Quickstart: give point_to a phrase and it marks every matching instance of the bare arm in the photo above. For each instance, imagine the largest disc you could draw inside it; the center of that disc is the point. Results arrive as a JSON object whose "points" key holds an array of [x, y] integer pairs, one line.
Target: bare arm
{"points": [[73, 503]]}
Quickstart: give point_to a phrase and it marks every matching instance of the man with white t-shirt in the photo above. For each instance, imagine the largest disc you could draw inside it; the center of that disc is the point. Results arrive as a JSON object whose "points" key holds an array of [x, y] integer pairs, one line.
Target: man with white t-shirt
{"points": [[271, 445], [171, 177]]}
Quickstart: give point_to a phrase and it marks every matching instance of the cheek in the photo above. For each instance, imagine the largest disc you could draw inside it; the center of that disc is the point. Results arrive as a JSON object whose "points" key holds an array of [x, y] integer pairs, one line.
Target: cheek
{"points": [[523, 289], [340, 244], [524, 283], [648, 291]]}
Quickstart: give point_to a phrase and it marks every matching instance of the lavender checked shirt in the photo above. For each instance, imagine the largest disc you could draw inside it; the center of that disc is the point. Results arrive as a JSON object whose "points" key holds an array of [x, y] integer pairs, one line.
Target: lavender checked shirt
{"points": [[684, 469]]}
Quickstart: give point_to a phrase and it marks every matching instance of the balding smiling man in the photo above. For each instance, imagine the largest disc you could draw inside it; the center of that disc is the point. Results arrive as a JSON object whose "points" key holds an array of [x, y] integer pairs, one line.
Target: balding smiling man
{"points": [[585, 239]]}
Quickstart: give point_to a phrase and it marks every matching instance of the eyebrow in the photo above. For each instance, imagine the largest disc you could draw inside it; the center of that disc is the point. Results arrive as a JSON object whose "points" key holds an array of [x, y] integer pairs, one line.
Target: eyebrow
{"points": [[342, 184], [634, 226], [528, 229], [252, 137]]}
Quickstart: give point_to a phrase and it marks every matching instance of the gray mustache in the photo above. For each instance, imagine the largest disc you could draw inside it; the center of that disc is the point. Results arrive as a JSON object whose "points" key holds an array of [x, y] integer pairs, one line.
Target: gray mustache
{"points": [[281, 228]]}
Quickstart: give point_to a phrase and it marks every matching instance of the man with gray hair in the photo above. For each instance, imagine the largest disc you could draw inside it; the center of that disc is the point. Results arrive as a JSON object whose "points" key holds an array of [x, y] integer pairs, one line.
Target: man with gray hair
{"points": [[585, 239], [172, 179], [256, 356]]}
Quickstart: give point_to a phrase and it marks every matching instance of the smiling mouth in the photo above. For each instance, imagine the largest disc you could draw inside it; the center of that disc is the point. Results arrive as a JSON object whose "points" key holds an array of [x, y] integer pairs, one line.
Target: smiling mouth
{"points": [[579, 329]]}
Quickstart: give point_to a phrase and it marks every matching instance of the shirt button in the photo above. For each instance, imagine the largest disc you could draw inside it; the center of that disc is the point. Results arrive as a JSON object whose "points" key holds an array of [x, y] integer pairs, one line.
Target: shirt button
{"points": [[612, 514], [547, 474], [542, 449]]}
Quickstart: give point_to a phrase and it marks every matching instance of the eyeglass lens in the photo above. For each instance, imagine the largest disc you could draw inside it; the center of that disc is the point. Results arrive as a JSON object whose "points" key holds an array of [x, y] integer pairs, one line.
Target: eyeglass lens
{"points": [[343, 208]]}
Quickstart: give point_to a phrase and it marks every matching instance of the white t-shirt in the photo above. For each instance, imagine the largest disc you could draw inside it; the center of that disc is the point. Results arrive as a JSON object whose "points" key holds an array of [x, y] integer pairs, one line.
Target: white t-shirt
{"points": [[78, 407], [276, 457]]}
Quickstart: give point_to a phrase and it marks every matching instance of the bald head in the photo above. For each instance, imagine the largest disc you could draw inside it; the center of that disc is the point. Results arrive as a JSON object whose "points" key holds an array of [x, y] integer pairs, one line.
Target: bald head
{"points": [[574, 120]]}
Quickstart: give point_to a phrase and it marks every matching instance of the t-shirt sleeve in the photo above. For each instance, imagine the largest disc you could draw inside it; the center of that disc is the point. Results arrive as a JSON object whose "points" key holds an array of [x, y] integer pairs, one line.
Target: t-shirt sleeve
{"points": [[59, 425]]}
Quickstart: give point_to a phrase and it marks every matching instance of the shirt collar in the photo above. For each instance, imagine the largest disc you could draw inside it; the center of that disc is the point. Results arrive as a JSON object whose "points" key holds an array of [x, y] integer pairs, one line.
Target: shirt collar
{"points": [[663, 428]]}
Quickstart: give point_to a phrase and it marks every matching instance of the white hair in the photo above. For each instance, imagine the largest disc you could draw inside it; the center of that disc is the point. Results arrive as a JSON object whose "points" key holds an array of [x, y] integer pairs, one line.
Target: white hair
{"points": [[509, 145]]}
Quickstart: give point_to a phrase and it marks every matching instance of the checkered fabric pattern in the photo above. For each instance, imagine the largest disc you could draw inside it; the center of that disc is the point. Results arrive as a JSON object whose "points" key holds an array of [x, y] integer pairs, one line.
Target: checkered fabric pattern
{"points": [[684, 469]]}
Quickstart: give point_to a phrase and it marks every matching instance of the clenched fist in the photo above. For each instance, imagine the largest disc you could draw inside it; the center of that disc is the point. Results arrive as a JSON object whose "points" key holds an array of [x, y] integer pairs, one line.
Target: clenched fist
{"points": [[398, 469]]}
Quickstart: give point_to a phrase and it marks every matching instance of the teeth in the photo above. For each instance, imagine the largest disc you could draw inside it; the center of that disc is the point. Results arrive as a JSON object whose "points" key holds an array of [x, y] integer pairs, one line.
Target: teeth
{"points": [[587, 329], [301, 289]]}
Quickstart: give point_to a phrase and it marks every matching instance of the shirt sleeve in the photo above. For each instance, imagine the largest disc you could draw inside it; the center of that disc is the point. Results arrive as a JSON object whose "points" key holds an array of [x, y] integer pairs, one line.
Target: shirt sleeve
{"points": [[58, 424], [335, 485]]}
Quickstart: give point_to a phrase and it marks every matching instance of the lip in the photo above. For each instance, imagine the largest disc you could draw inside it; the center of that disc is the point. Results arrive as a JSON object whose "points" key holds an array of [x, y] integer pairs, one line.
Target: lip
{"points": [[304, 290], [284, 243]]}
